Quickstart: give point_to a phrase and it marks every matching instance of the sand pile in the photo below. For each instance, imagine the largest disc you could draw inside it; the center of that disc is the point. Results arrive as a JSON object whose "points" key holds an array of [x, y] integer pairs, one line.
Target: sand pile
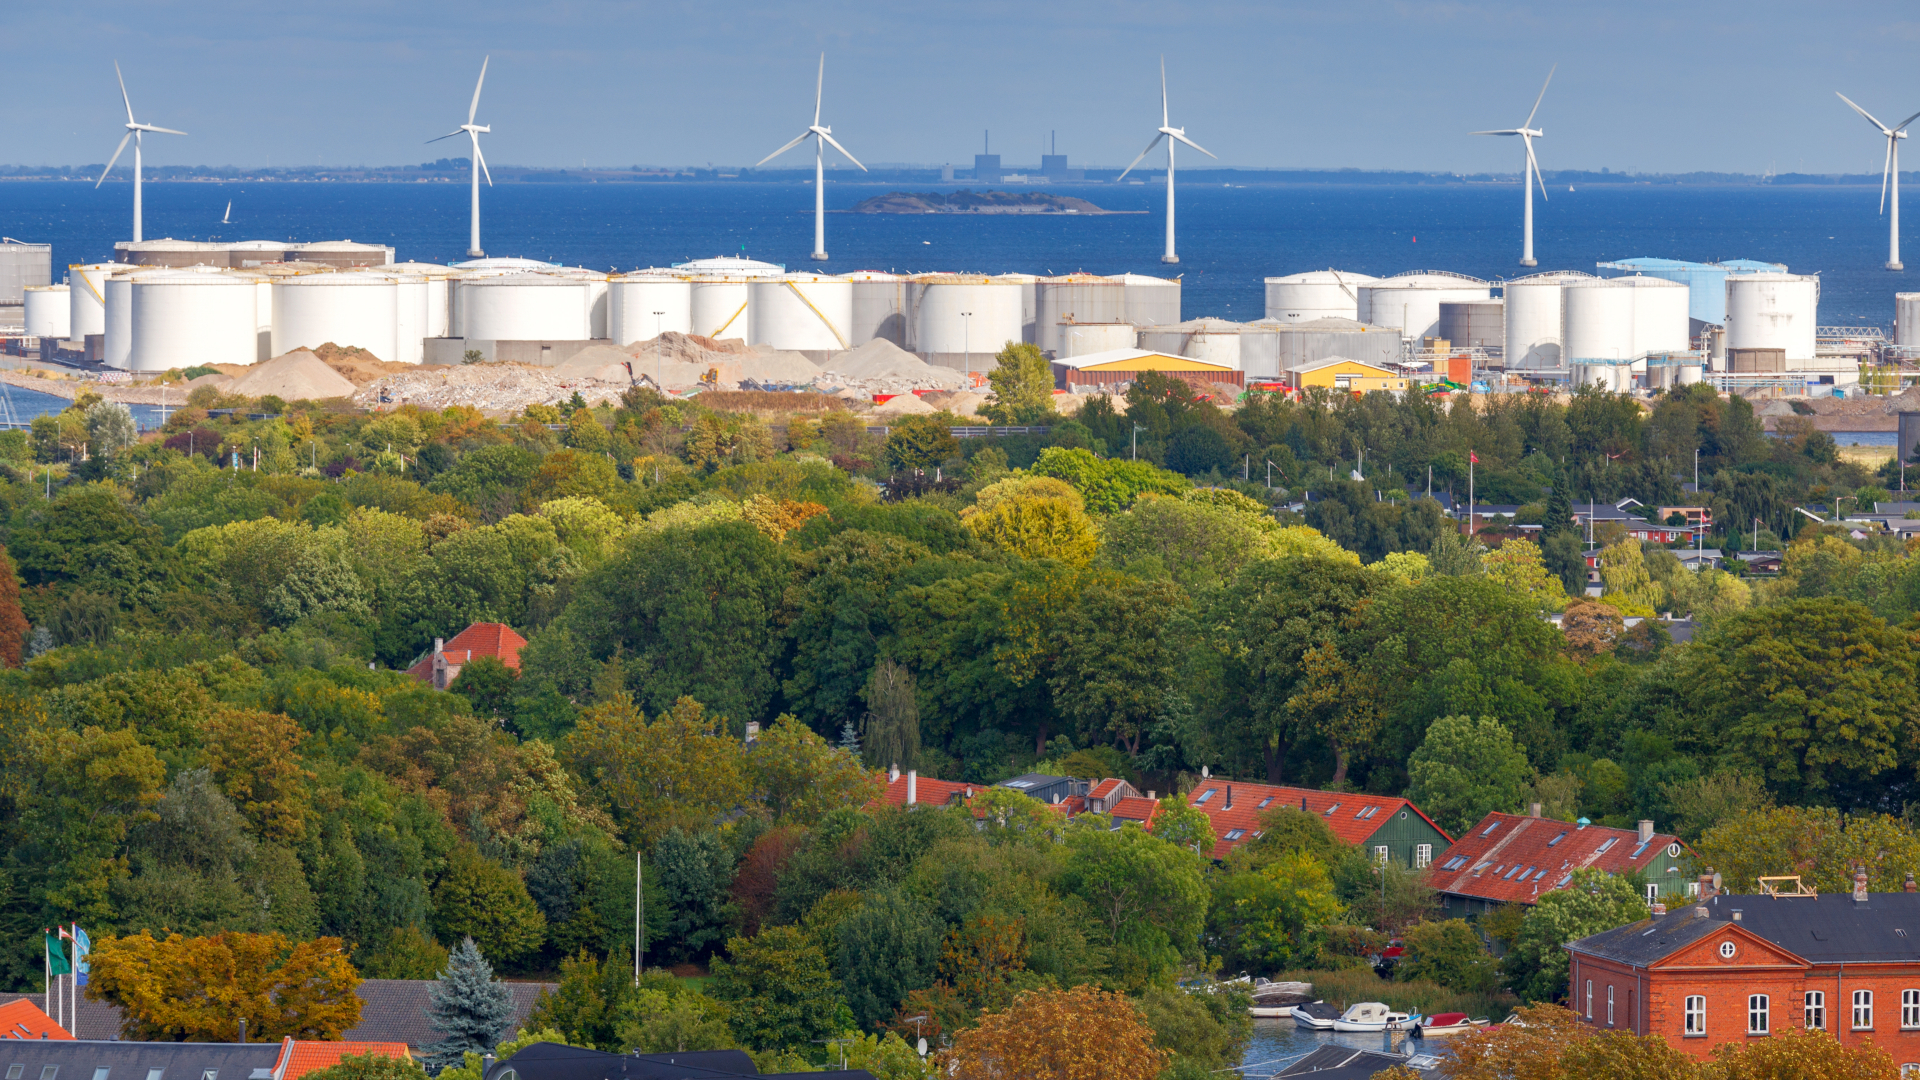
{"points": [[602, 362], [957, 402], [358, 365], [488, 387], [773, 366], [214, 380], [882, 359], [296, 376], [904, 405]]}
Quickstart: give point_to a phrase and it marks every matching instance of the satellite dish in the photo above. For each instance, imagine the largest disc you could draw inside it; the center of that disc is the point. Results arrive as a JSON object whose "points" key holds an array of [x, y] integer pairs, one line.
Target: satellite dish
{"points": [[923, 1048]]}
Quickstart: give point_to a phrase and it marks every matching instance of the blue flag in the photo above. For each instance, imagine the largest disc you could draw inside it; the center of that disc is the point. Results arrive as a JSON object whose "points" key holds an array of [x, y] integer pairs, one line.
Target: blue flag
{"points": [[82, 946]]}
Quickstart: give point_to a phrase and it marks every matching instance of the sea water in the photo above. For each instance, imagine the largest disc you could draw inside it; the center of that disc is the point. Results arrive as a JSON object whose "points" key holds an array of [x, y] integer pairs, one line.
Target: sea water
{"points": [[1229, 238]]}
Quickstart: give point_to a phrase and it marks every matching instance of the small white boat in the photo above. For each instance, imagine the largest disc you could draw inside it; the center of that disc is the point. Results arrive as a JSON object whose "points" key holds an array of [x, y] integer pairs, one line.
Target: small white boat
{"points": [[1453, 1023], [1315, 1016], [1269, 1012], [1374, 1016]]}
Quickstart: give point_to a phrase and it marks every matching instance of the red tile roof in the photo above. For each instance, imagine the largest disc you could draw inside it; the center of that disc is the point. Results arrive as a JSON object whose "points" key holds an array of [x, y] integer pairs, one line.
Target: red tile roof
{"points": [[1136, 808], [1235, 804], [481, 639], [1511, 858], [298, 1057], [22, 1019], [926, 790]]}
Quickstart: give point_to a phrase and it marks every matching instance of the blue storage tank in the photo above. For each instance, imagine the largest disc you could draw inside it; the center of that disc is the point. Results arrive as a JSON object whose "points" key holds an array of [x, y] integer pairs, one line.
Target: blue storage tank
{"points": [[1706, 282]]}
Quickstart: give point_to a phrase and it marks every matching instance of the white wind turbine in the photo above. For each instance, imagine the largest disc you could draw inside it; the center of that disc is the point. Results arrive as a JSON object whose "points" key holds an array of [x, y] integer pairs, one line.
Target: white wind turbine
{"points": [[474, 131], [134, 131], [823, 137], [1528, 133], [1889, 178], [1172, 134]]}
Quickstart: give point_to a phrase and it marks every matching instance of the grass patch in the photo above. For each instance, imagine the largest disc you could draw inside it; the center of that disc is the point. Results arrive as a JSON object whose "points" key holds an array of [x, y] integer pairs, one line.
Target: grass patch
{"points": [[1344, 988]]}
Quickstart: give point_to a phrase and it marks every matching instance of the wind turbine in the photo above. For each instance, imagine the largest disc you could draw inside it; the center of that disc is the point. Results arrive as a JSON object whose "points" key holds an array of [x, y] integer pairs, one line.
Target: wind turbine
{"points": [[134, 131], [1528, 133], [1172, 135], [823, 137], [1890, 178], [474, 131]]}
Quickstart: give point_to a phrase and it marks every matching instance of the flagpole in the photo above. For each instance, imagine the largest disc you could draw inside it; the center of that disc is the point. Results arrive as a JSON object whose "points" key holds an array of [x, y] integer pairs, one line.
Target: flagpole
{"points": [[46, 972]]}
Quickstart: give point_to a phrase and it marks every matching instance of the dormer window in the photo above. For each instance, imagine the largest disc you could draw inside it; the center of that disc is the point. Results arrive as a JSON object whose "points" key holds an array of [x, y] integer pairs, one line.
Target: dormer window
{"points": [[1204, 796]]}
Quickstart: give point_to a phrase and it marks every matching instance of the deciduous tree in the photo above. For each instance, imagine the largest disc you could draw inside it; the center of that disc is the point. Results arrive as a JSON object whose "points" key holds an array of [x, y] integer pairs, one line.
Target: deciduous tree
{"points": [[1466, 767], [1059, 1035], [199, 989]]}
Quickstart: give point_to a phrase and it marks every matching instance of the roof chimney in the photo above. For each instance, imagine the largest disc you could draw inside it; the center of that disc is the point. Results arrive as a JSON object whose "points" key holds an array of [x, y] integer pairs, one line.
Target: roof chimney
{"points": [[893, 773], [1706, 883], [1228, 805], [1646, 831], [1658, 909], [1860, 883], [913, 786], [1910, 886], [753, 732], [1534, 810], [1156, 798]]}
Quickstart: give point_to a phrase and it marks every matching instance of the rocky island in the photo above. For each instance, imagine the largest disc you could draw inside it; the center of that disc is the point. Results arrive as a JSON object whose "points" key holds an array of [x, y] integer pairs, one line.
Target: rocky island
{"points": [[975, 202]]}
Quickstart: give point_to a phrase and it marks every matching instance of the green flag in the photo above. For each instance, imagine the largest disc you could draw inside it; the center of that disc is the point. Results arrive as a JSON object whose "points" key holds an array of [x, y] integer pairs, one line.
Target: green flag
{"points": [[57, 956]]}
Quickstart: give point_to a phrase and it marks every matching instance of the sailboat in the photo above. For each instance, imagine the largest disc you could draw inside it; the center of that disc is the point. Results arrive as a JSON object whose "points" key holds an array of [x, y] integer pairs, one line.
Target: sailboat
{"points": [[227, 218]]}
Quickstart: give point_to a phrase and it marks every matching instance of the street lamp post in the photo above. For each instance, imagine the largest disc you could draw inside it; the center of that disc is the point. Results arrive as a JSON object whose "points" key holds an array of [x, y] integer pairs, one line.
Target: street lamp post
{"points": [[1136, 442]]}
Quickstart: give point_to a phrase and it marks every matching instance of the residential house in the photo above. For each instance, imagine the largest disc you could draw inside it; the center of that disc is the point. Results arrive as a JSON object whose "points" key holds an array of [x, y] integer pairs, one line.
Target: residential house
{"points": [[551, 1061], [1639, 528], [1737, 968], [1514, 858], [1386, 827], [22, 1019], [1762, 562], [441, 666], [127, 1059]]}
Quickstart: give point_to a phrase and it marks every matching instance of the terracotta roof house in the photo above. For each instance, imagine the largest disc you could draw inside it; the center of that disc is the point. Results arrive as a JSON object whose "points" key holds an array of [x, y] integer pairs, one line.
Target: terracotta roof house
{"points": [[1387, 826], [1723, 968], [1064, 795], [95, 1020], [298, 1057], [1513, 858], [911, 789], [441, 666], [22, 1019]]}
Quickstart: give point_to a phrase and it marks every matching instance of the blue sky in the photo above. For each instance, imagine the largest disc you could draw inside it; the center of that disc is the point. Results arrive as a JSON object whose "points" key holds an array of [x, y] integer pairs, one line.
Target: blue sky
{"points": [[1371, 84]]}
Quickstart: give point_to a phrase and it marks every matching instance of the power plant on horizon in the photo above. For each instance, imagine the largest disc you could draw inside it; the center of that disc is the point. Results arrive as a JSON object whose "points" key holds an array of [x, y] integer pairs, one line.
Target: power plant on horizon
{"points": [[165, 304]]}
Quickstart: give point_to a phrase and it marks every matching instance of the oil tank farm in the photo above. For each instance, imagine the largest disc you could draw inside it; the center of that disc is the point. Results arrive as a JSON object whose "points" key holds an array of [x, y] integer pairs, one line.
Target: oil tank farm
{"points": [[1151, 301], [1906, 319], [1768, 311], [642, 306], [1214, 341], [1301, 343], [21, 265], [1474, 324], [341, 254], [718, 295], [1082, 339], [1609, 326], [1706, 282], [117, 343], [48, 313], [180, 318], [804, 313], [1530, 339], [880, 307], [598, 304], [439, 281], [353, 310], [1316, 294], [1410, 302], [526, 307], [964, 319], [1076, 298]]}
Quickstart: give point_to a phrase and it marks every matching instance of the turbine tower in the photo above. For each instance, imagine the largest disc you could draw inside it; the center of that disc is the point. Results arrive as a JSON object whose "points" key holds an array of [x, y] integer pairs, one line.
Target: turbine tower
{"points": [[474, 131], [1531, 175], [1172, 134], [1889, 178], [823, 137], [134, 131]]}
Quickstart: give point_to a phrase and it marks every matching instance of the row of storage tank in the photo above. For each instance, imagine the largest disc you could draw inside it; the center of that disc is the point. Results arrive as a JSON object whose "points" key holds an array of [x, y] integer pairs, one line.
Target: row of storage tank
{"points": [[1560, 319], [153, 318]]}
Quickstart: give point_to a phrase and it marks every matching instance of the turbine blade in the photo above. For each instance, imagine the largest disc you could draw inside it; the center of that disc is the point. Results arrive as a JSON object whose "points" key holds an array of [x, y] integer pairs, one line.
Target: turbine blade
{"points": [[1902, 125], [1164, 122], [802, 137], [448, 135], [819, 90], [475, 107], [1142, 157], [116, 157], [123, 92], [1543, 95], [481, 158], [161, 130], [1862, 112], [1196, 146], [1533, 166], [1507, 131], [842, 149], [1886, 174]]}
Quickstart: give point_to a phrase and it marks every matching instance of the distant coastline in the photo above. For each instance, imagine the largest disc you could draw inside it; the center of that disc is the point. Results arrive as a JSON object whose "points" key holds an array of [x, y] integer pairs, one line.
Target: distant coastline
{"points": [[967, 201]]}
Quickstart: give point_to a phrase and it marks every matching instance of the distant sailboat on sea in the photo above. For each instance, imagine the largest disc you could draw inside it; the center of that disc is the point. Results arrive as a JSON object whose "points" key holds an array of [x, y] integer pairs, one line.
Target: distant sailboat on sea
{"points": [[227, 218]]}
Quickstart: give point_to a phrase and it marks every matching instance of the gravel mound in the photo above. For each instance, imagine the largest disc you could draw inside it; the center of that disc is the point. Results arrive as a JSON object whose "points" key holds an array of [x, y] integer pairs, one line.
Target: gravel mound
{"points": [[296, 376], [904, 405], [882, 359]]}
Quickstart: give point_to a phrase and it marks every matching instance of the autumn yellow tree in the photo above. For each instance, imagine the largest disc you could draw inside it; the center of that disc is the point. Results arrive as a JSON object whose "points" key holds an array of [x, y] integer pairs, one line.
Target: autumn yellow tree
{"points": [[1518, 568], [682, 768], [199, 989], [1034, 517], [255, 759], [1059, 1035]]}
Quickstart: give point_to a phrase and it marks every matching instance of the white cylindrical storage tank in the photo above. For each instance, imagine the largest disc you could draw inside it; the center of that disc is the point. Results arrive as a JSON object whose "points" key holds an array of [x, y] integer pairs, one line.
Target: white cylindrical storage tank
{"points": [[1533, 315], [719, 306], [1079, 299], [1906, 318], [526, 307], [1316, 294], [87, 293], [262, 286], [1213, 341], [641, 307], [1773, 311], [965, 319], [598, 302], [1597, 321], [353, 310], [1660, 319], [1029, 304], [803, 312], [880, 307], [1410, 303], [1083, 339], [1151, 301], [439, 281], [48, 311], [410, 302], [118, 330], [183, 319]]}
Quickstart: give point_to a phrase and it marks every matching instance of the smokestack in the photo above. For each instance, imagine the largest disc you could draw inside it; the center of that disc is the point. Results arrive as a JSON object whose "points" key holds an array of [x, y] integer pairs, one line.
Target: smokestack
{"points": [[913, 786], [1646, 831], [1658, 909]]}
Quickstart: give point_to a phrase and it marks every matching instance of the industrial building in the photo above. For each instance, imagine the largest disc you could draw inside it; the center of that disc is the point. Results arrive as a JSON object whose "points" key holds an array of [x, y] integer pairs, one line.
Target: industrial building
{"points": [[1316, 294], [1127, 365], [1339, 373]]}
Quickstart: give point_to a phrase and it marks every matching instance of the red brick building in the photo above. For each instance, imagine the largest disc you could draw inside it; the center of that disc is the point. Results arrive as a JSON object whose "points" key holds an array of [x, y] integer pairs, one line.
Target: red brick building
{"points": [[1733, 968]]}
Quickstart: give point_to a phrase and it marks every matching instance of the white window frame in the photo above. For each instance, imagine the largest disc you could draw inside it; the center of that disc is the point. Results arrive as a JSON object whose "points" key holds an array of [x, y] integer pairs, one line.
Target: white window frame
{"points": [[1863, 1010], [1909, 1009], [1815, 1010], [1696, 1015], [1422, 856], [1589, 999], [1382, 854], [1759, 1015], [1653, 892], [1609, 1004]]}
